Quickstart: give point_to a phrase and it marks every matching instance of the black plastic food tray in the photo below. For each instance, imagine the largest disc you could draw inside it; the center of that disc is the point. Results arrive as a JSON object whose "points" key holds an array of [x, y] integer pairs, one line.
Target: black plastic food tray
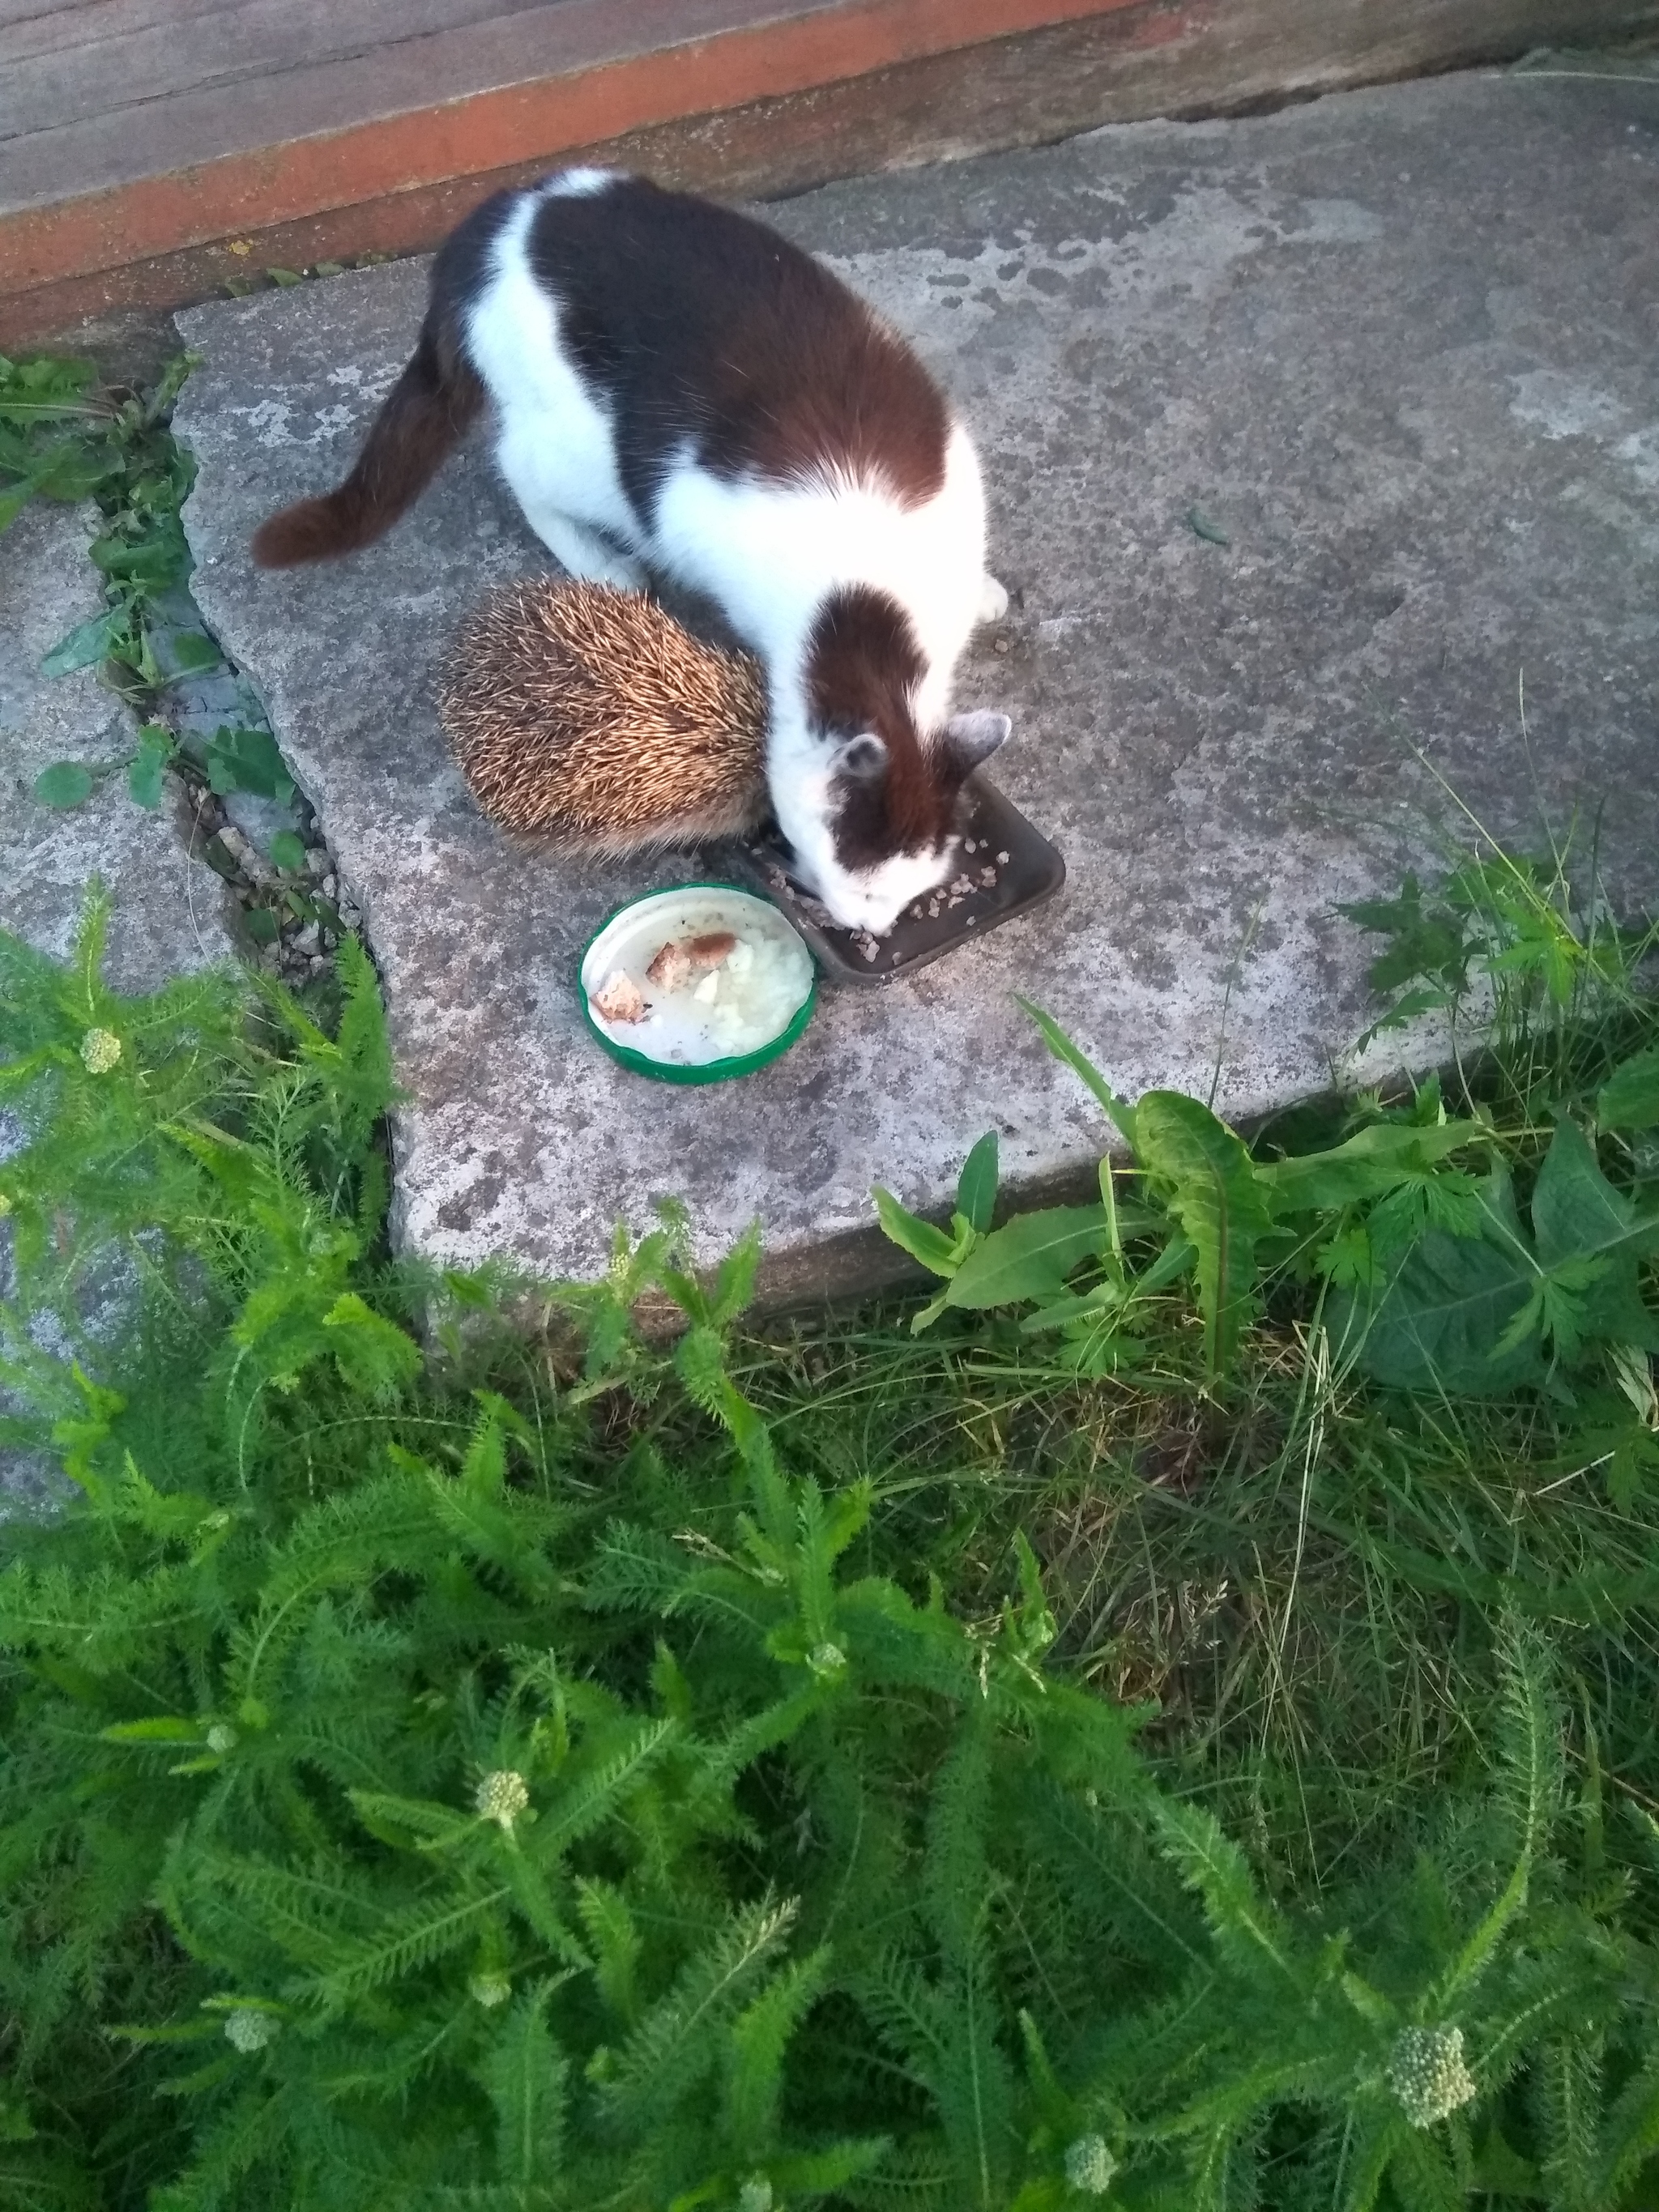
{"points": [[1032, 873]]}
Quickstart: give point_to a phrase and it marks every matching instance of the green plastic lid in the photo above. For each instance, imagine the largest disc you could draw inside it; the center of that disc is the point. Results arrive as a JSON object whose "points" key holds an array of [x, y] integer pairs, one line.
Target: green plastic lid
{"points": [[629, 939]]}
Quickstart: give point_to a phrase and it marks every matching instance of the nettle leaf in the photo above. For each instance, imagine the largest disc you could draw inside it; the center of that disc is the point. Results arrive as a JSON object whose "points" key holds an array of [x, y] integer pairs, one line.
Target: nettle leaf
{"points": [[1629, 1098], [64, 785], [1590, 1240], [1440, 1318], [976, 1186], [1029, 1257], [1218, 1200]]}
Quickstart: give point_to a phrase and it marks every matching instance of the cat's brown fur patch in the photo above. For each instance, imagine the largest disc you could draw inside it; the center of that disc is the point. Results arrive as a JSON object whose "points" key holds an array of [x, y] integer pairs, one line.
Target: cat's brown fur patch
{"points": [[862, 665]]}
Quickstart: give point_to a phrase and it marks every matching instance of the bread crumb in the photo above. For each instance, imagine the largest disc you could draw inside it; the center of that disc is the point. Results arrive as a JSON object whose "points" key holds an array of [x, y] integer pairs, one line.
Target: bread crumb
{"points": [[1002, 860], [620, 999], [685, 958]]}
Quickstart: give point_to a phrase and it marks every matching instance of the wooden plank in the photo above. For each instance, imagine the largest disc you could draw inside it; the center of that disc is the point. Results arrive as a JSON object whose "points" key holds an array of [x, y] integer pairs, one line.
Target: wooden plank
{"points": [[446, 53], [31, 29], [24, 12], [96, 81], [1148, 57], [288, 176]]}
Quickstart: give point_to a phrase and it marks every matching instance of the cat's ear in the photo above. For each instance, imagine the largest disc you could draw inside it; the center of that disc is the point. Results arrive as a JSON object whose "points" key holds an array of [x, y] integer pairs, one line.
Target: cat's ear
{"points": [[973, 738], [863, 758]]}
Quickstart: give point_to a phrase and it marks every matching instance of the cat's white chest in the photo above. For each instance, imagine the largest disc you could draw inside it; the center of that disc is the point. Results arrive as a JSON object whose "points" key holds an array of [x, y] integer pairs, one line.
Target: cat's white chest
{"points": [[771, 554]]}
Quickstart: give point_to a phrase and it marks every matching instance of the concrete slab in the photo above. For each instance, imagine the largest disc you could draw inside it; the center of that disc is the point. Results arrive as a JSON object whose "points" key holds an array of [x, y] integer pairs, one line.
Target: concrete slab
{"points": [[169, 909], [1397, 345]]}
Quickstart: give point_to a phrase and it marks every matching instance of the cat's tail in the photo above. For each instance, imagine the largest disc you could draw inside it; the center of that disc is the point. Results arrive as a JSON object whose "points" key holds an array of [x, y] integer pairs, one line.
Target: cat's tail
{"points": [[426, 414]]}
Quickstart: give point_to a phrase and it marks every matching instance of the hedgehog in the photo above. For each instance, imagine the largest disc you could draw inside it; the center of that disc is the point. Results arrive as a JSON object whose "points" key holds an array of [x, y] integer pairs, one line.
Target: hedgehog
{"points": [[589, 717]]}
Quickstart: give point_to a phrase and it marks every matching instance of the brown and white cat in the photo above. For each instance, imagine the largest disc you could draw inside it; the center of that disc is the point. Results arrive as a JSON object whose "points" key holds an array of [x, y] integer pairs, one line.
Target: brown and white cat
{"points": [[678, 390]]}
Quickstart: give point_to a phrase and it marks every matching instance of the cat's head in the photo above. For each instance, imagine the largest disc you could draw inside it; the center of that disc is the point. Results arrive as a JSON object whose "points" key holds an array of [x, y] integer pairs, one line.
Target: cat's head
{"points": [[868, 802], [864, 856]]}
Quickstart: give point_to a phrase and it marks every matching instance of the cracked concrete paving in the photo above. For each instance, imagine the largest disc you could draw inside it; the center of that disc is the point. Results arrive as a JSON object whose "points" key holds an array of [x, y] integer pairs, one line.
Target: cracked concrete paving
{"points": [[169, 914], [1399, 345], [167, 911]]}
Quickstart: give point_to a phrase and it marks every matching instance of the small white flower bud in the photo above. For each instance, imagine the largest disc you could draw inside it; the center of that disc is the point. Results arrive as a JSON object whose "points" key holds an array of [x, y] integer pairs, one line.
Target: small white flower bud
{"points": [[1427, 2074], [502, 1798], [1089, 2165], [99, 1050], [826, 1659], [220, 1738], [490, 1989], [755, 2195], [249, 2031]]}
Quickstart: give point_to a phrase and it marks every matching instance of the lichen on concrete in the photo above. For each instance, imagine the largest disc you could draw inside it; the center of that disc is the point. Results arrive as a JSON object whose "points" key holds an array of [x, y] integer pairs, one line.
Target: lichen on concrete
{"points": [[1395, 345]]}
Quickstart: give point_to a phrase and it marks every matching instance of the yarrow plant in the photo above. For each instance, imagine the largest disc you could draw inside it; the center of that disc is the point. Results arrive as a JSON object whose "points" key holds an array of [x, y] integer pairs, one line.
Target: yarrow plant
{"points": [[100, 1050], [1427, 2074], [249, 2031], [1089, 2165], [502, 1798], [546, 1778]]}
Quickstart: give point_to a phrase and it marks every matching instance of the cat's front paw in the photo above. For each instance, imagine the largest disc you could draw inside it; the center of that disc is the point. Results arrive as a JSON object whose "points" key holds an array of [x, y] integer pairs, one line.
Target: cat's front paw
{"points": [[625, 575], [992, 601]]}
